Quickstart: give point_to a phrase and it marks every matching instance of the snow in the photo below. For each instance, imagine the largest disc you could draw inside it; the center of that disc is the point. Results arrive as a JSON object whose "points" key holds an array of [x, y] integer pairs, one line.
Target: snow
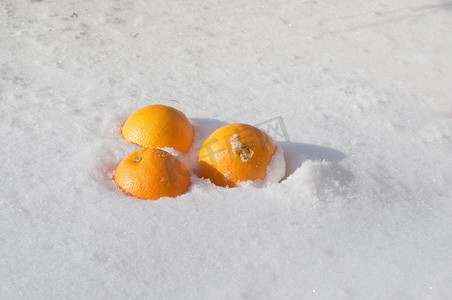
{"points": [[363, 90], [276, 170]]}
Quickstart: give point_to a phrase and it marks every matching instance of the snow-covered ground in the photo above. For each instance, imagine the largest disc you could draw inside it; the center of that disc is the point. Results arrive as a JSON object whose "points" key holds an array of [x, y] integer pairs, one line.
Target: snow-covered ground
{"points": [[363, 89]]}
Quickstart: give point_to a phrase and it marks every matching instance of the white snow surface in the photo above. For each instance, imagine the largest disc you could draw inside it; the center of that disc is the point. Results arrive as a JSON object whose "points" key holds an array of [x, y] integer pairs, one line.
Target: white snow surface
{"points": [[364, 210], [276, 170]]}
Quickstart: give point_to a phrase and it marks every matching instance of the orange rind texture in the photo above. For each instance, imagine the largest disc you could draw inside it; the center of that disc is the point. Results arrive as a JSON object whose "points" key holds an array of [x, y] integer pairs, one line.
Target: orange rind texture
{"points": [[236, 153], [159, 126], [151, 174]]}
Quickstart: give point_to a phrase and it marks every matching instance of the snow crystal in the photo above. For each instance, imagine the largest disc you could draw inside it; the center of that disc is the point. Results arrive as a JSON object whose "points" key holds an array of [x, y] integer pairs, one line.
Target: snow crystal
{"points": [[245, 153], [235, 142]]}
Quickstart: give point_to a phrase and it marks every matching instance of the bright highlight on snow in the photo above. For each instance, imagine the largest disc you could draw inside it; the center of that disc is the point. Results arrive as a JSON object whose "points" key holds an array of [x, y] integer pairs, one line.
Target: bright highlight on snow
{"points": [[276, 169]]}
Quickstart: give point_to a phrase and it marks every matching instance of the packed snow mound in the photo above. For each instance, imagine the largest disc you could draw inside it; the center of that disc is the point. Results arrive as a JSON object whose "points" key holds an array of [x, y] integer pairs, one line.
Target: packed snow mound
{"points": [[277, 167], [320, 179]]}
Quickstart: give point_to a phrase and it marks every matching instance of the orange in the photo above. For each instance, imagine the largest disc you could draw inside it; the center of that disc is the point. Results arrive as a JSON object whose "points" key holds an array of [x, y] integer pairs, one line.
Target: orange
{"points": [[159, 126], [152, 173], [235, 153]]}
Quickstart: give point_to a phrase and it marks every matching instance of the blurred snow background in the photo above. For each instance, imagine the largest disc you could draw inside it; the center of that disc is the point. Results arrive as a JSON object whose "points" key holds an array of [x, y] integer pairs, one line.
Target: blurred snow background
{"points": [[364, 91]]}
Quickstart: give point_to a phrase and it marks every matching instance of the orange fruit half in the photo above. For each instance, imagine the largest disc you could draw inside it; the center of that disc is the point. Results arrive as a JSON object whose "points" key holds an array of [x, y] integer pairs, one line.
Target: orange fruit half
{"points": [[236, 153], [159, 126], [151, 174]]}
